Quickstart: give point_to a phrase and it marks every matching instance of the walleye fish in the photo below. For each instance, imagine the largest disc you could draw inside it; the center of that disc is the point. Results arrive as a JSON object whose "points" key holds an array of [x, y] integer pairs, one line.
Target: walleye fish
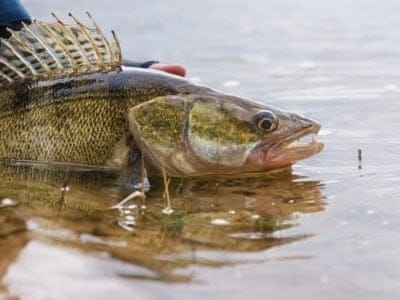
{"points": [[65, 99]]}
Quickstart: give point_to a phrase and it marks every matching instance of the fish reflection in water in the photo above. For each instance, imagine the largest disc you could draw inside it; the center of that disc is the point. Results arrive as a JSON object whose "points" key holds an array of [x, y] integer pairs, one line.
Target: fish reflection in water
{"points": [[72, 209]]}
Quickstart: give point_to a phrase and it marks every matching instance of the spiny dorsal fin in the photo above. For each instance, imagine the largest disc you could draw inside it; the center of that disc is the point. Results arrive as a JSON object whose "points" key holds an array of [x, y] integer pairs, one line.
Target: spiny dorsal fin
{"points": [[51, 50]]}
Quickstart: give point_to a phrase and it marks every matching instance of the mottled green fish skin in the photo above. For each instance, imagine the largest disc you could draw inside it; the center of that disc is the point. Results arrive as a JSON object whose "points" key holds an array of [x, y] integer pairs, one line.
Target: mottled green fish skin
{"points": [[109, 120], [76, 120], [205, 121]]}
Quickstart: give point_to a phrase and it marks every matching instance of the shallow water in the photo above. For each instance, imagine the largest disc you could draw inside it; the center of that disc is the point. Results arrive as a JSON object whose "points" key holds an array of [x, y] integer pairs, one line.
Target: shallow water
{"points": [[328, 229]]}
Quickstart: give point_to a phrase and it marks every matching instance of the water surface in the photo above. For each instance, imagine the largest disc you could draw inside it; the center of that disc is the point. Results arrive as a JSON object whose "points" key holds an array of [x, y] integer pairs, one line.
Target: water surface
{"points": [[328, 229]]}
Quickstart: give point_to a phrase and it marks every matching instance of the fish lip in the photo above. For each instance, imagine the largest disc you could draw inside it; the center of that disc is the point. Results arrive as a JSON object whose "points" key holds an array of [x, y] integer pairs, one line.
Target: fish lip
{"points": [[279, 155], [294, 136]]}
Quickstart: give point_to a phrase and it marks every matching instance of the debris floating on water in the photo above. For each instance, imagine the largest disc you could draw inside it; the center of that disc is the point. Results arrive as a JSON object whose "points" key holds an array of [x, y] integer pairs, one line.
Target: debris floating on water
{"points": [[220, 222], [359, 153]]}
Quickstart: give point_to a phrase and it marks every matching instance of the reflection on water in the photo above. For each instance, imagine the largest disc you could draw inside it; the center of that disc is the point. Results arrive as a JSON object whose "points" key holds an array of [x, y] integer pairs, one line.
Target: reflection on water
{"points": [[71, 209]]}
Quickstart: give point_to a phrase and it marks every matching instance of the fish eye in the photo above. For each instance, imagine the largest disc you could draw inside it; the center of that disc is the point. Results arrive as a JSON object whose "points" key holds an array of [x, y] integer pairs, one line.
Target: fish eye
{"points": [[266, 121]]}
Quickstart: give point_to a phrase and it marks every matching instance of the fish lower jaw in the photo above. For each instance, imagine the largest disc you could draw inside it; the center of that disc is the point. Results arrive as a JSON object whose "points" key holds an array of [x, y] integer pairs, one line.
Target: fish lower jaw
{"points": [[285, 154], [296, 150]]}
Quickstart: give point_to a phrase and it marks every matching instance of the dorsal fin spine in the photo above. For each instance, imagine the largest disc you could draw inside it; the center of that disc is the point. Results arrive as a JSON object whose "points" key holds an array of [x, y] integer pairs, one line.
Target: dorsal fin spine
{"points": [[22, 59], [57, 19], [117, 45], [107, 44], [77, 46], [11, 67], [49, 31], [6, 77], [59, 65], [32, 51], [96, 51]]}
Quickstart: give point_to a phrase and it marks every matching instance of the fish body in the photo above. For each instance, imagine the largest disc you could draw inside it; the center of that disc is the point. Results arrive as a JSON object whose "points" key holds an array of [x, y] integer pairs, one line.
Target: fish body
{"points": [[75, 120], [84, 109]]}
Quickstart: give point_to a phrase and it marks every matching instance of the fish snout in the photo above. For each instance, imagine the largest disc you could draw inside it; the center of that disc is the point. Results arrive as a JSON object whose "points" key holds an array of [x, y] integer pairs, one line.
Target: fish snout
{"points": [[305, 123]]}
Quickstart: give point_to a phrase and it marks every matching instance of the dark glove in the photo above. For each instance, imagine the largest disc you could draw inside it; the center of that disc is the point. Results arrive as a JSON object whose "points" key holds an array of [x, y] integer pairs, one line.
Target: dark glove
{"points": [[12, 14], [138, 64]]}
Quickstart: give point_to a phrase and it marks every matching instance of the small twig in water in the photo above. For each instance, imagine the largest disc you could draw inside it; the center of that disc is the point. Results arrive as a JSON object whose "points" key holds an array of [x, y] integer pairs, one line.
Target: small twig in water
{"points": [[166, 184], [359, 152]]}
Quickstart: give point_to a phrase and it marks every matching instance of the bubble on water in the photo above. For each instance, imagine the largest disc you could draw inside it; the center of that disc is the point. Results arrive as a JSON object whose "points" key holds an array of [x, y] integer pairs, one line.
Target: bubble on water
{"points": [[255, 217], [291, 201], [232, 212], [32, 225], [231, 83], [8, 202], [370, 212], [220, 222], [167, 211], [385, 223]]}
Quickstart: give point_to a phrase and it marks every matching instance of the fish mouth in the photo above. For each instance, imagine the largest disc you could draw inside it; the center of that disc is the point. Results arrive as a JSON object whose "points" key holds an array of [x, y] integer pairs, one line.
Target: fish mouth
{"points": [[289, 150]]}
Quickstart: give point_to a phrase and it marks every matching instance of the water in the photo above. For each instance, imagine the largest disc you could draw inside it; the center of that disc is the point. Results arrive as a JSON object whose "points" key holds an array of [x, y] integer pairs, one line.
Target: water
{"points": [[329, 229]]}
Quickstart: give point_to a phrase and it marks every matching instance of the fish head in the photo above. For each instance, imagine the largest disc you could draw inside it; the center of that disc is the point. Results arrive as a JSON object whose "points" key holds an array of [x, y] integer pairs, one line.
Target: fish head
{"points": [[217, 134]]}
